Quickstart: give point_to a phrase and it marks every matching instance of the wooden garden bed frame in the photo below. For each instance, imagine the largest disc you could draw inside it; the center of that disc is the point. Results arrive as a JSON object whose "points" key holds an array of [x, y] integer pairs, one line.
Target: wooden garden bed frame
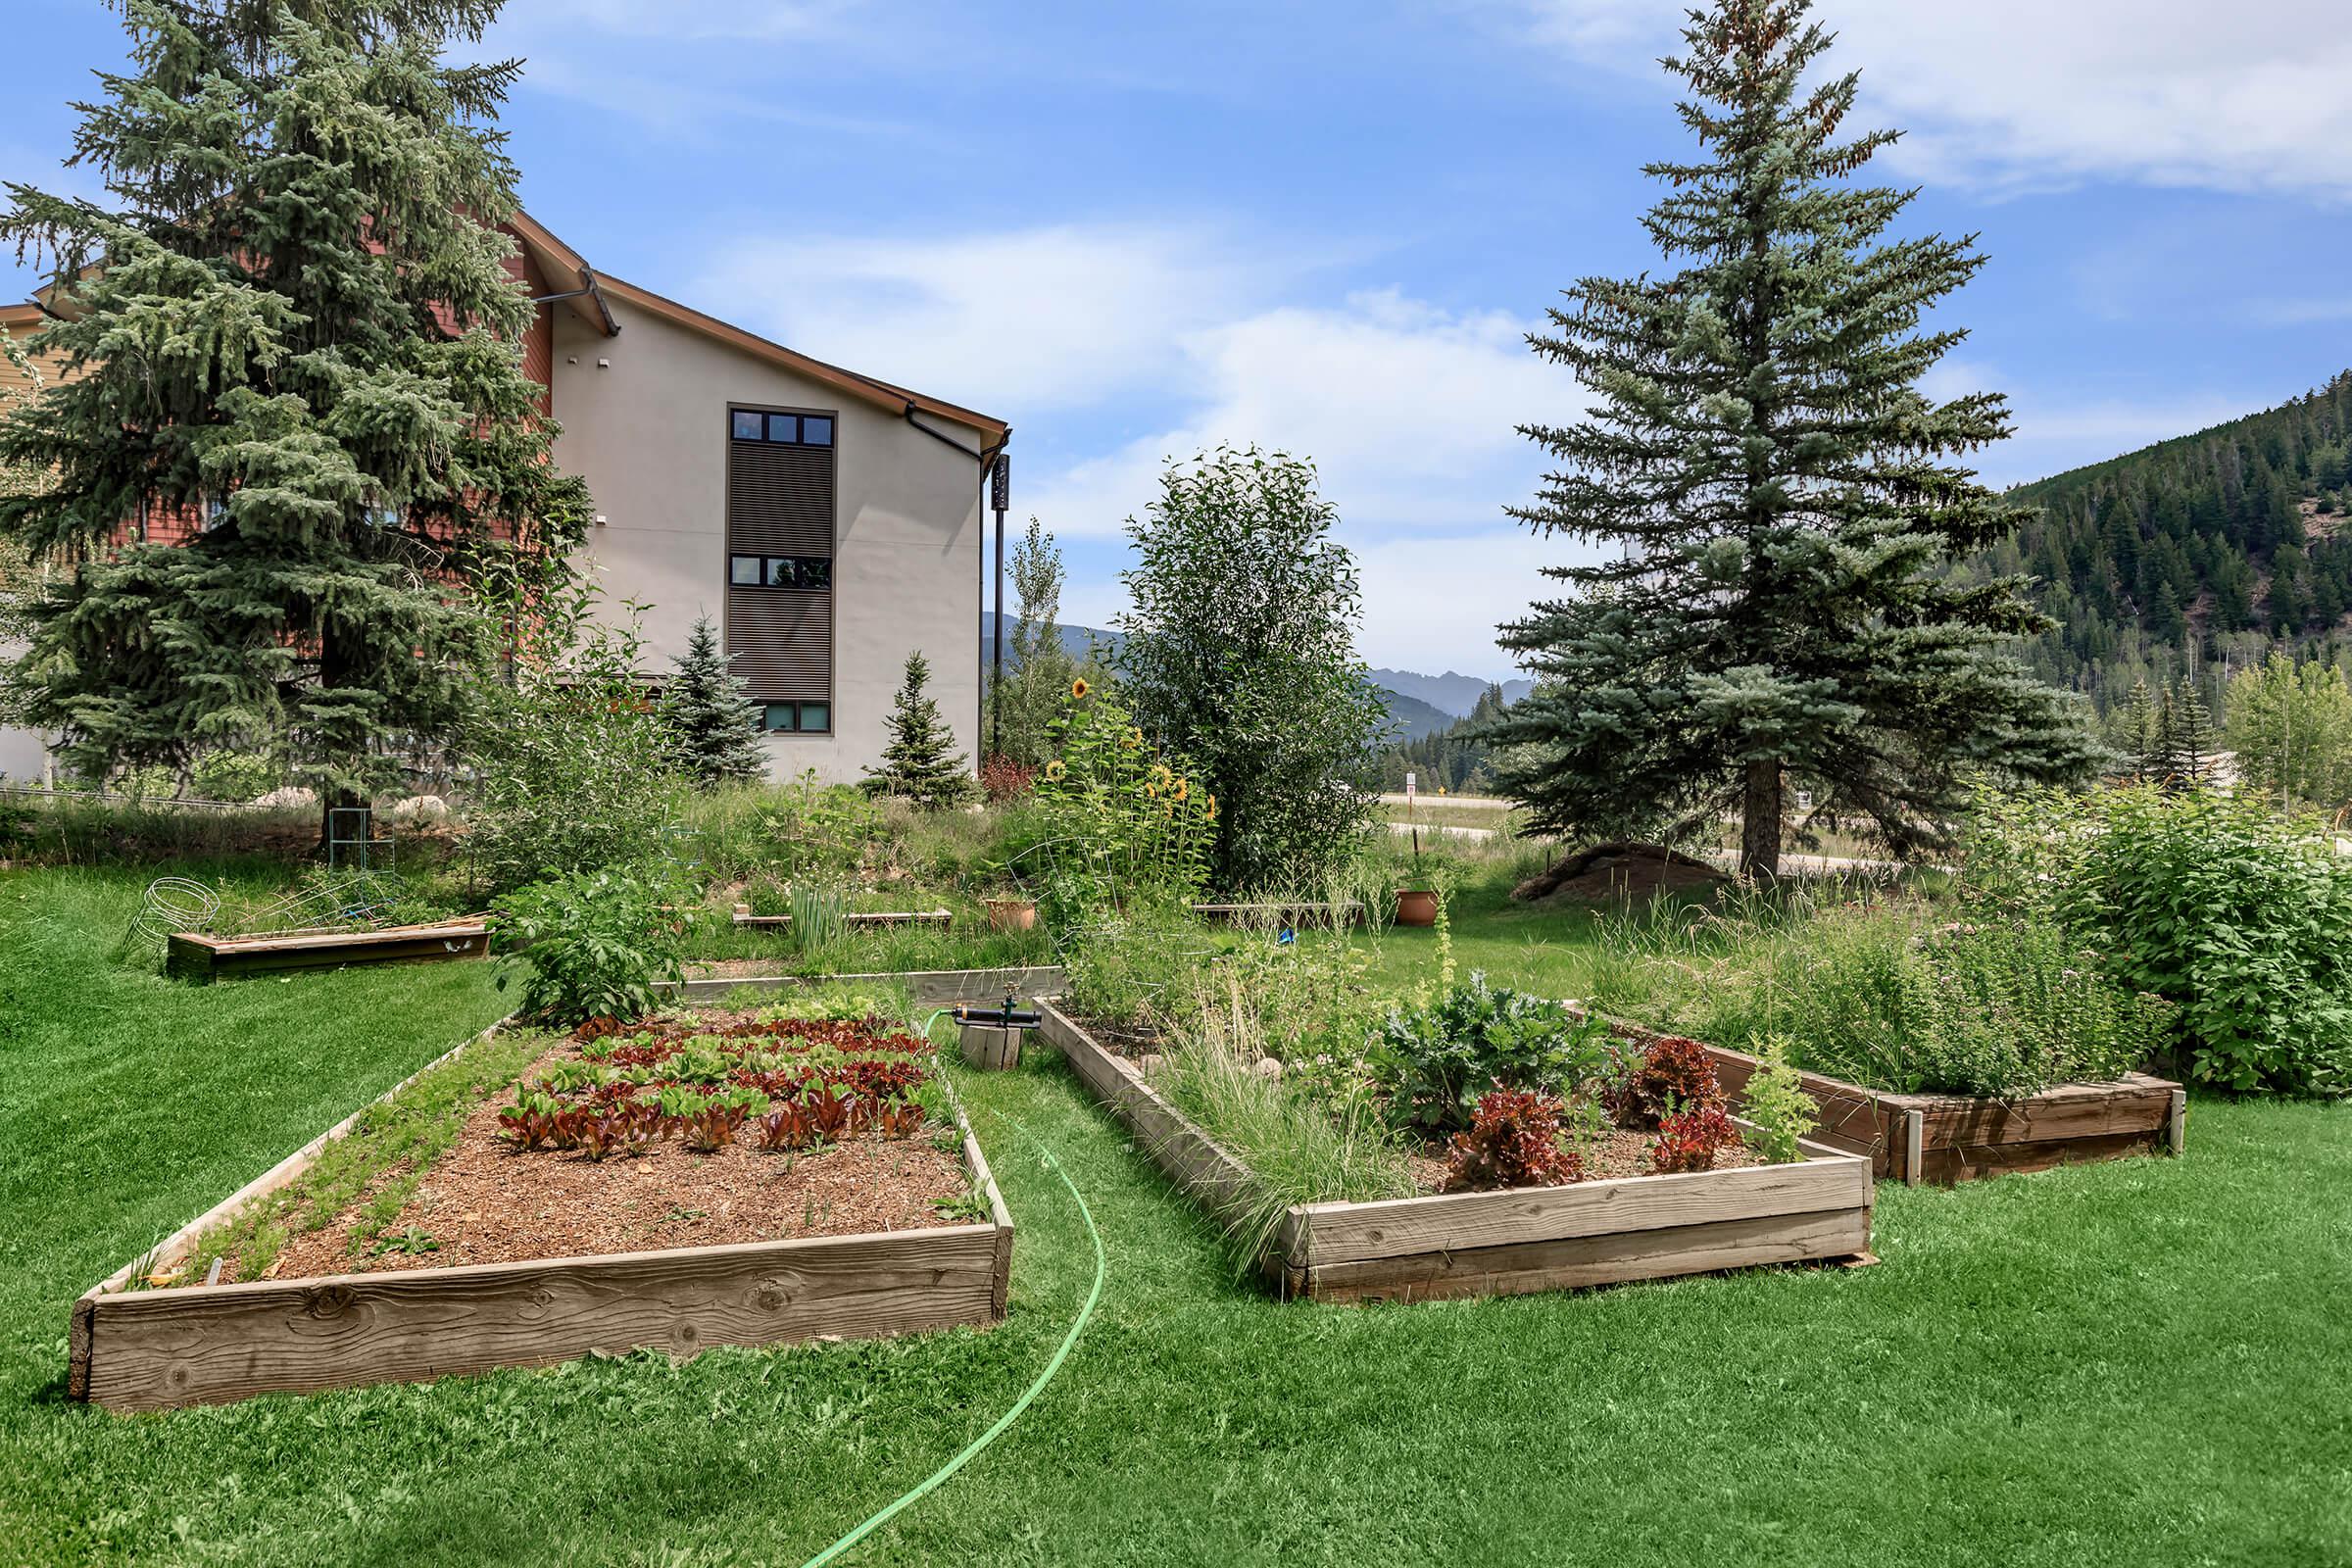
{"points": [[1502, 1243], [195, 956], [745, 919], [1947, 1139], [161, 1348], [929, 988], [1292, 914]]}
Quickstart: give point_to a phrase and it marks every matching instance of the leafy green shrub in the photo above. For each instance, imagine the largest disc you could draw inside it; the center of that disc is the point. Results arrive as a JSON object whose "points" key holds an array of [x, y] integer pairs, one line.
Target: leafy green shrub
{"points": [[1432, 1062], [1888, 999], [2241, 919], [1117, 819], [570, 765], [1776, 1106], [596, 943]]}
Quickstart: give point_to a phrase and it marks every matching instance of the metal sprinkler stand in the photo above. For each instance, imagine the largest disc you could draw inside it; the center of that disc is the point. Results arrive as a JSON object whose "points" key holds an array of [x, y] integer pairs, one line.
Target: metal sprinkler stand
{"points": [[991, 1036]]}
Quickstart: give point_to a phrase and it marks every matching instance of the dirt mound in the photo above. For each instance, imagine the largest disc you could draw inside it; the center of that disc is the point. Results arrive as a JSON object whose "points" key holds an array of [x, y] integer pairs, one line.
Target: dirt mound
{"points": [[1607, 871]]}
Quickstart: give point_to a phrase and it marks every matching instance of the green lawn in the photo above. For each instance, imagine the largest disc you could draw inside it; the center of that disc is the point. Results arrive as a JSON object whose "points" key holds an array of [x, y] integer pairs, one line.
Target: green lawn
{"points": [[2143, 1362]]}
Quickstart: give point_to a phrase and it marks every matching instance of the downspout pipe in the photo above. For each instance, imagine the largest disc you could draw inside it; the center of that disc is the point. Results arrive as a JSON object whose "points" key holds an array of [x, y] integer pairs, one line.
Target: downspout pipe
{"points": [[986, 456]]}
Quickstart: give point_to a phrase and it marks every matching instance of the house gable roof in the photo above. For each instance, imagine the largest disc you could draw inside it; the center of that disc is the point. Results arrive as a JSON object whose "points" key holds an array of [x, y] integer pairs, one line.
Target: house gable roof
{"points": [[560, 261]]}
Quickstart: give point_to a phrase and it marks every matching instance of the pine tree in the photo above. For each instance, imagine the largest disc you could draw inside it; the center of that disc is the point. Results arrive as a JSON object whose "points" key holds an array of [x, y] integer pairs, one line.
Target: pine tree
{"points": [[2140, 732], [712, 721], [2187, 739], [1781, 614], [293, 329], [917, 763], [1039, 670]]}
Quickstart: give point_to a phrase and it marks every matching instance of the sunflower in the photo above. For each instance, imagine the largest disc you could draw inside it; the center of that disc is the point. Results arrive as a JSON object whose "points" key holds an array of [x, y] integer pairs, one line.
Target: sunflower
{"points": [[1211, 808], [1055, 771], [1184, 790], [1161, 778], [1133, 739], [1079, 688], [1152, 789]]}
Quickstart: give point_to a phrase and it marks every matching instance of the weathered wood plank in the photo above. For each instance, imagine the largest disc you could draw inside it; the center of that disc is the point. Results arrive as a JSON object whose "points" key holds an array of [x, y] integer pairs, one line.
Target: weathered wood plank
{"points": [[1189, 1156], [1975, 1161], [1852, 1118], [194, 955], [1340, 1233], [1575, 1263], [152, 1349], [930, 988], [744, 917], [2134, 1105]]}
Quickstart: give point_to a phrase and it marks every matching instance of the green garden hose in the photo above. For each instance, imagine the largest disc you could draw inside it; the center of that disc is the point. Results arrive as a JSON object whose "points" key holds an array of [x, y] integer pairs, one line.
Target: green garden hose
{"points": [[1060, 1353]]}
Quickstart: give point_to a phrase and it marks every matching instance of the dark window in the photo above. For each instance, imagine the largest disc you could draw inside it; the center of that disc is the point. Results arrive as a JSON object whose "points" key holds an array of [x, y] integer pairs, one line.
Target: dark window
{"points": [[744, 571], [747, 425], [783, 427], [797, 718], [816, 431], [215, 512], [810, 572]]}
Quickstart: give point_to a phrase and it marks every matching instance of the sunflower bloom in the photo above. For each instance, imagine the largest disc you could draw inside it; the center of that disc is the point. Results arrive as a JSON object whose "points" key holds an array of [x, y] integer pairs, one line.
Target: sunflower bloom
{"points": [[1133, 740], [1161, 778], [1211, 808], [1056, 772], [1152, 789], [1079, 688], [1184, 790]]}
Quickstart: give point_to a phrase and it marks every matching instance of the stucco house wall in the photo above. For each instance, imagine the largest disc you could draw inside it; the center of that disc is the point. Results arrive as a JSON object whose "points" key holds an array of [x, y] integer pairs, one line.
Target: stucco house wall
{"points": [[645, 422]]}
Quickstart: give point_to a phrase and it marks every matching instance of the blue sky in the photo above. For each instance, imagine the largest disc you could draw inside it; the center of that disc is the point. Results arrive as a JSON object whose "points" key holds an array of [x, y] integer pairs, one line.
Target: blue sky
{"points": [[1136, 230]]}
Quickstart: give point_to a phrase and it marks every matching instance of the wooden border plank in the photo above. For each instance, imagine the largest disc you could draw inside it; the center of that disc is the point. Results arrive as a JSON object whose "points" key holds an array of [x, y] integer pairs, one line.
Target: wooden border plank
{"points": [[745, 919], [930, 988], [1187, 1155], [1579, 1262], [199, 1344]]}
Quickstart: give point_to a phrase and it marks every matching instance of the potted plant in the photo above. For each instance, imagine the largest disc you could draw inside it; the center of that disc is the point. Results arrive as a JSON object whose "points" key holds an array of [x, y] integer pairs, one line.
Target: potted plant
{"points": [[1417, 904], [1015, 910]]}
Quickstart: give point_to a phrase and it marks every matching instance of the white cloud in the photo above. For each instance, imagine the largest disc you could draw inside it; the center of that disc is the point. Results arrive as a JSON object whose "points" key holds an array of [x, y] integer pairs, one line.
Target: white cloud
{"points": [[1029, 319], [1408, 412], [2025, 93]]}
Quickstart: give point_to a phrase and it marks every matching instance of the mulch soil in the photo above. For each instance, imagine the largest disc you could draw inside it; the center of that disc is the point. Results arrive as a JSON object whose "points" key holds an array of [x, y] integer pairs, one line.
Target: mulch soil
{"points": [[486, 1201]]}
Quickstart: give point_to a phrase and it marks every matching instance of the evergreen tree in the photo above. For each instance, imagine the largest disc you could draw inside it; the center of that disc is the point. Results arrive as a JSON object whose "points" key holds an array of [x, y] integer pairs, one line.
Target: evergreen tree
{"points": [[2140, 732], [916, 764], [2186, 740], [292, 332], [1780, 612], [713, 724], [1039, 670]]}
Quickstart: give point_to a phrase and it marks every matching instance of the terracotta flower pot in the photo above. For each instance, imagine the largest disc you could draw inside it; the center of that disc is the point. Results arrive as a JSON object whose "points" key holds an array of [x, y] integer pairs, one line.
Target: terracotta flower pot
{"points": [[1010, 914], [1416, 906]]}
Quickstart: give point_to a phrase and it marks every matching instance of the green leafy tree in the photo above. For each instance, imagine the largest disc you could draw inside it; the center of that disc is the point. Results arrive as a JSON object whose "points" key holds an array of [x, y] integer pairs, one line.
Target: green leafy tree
{"points": [[1240, 655], [291, 327], [2290, 725], [713, 724], [920, 763], [1778, 609]]}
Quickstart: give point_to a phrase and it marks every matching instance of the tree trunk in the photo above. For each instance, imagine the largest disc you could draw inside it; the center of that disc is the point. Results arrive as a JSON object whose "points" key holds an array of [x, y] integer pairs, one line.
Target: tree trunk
{"points": [[1760, 822]]}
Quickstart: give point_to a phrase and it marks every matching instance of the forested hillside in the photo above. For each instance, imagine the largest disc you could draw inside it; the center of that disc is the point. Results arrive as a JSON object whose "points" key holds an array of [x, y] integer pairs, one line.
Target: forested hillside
{"points": [[2217, 545]]}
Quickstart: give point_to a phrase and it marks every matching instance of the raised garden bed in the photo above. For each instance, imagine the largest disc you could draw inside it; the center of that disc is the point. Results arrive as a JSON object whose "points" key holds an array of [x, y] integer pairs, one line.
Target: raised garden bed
{"points": [[1947, 1139], [928, 988], [1510, 1241], [745, 919], [503, 1253], [1290, 914], [194, 955]]}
